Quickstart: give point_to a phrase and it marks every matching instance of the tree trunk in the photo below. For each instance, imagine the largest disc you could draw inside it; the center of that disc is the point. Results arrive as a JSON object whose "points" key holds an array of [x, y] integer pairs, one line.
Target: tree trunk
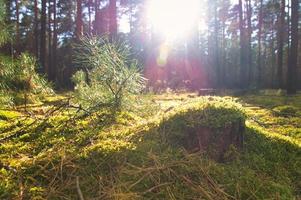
{"points": [[8, 12], [96, 21], [242, 48], [260, 20], [54, 43], [43, 38], [89, 15], [249, 17], [49, 41], [292, 65], [17, 46], [79, 20], [223, 45], [8, 47], [36, 29], [113, 19], [280, 36], [273, 56], [216, 47]]}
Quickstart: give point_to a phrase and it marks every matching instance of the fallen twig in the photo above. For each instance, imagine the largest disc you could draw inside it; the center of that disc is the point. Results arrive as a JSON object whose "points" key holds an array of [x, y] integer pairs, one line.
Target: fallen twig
{"points": [[79, 192]]}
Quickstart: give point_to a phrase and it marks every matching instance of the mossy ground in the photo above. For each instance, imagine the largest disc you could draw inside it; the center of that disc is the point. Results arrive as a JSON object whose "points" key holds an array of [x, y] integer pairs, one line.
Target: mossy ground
{"points": [[127, 157]]}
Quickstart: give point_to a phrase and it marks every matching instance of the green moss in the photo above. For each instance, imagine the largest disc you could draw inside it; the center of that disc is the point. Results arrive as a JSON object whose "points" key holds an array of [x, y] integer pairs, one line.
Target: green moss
{"points": [[212, 112], [9, 115], [286, 111], [131, 159]]}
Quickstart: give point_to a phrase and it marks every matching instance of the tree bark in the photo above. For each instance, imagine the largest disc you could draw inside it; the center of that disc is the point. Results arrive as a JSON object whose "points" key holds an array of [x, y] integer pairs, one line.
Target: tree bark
{"points": [[54, 42], [292, 65], [280, 38], [8, 12], [249, 49], [243, 76], [216, 47], [8, 47], [79, 20], [36, 29], [43, 38], [49, 41], [113, 19], [90, 17], [259, 66], [96, 21], [17, 46], [223, 45]]}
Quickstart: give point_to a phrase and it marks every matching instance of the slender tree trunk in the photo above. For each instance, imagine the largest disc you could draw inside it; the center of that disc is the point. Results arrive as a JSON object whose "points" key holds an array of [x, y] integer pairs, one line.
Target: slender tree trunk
{"points": [[288, 39], [242, 47], [36, 29], [43, 38], [8, 47], [249, 17], [90, 17], [17, 28], [96, 21], [292, 65], [259, 62], [223, 48], [49, 41], [79, 20], [8, 11], [113, 19], [280, 36], [54, 43], [216, 47], [273, 56]]}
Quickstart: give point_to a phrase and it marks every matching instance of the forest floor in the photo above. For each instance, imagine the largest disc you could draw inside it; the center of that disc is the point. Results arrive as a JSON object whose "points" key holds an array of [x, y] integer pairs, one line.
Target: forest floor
{"points": [[46, 152]]}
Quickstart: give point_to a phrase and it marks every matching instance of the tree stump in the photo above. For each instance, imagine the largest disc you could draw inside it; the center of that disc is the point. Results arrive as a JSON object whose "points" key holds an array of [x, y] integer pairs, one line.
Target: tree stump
{"points": [[215, 142], [207, 91], [211, 125]]}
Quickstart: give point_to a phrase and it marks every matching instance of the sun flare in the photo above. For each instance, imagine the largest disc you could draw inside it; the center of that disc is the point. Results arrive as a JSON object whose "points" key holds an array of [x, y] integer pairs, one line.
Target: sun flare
{"points": [[173, 18]]}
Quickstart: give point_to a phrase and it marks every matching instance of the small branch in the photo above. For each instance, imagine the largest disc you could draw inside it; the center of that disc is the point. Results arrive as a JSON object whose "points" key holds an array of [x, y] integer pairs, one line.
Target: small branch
{"points": [[79, 192]]}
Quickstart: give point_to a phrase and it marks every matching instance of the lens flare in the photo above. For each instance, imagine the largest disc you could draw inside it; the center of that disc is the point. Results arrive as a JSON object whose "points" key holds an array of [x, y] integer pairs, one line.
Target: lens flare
{"points": [[173, 18]]}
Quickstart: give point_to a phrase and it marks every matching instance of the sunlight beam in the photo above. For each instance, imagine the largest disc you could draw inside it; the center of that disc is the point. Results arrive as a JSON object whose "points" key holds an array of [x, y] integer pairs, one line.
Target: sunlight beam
{"points": [[174, 19]]}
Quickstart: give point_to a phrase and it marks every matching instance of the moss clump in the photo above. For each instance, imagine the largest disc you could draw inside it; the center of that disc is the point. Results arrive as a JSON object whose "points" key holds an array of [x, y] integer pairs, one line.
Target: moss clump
{"points": [[209, 121], [286, 111], [211, 112]]}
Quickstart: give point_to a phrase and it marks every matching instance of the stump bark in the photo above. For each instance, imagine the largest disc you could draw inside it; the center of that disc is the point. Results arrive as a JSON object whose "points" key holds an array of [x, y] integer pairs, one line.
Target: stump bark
{"points": [[215, 142]]}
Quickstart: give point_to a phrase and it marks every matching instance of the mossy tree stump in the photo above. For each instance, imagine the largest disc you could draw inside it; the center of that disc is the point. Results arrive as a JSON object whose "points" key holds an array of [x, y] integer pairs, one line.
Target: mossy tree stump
{"points": [[216, 142], [210, 124]]}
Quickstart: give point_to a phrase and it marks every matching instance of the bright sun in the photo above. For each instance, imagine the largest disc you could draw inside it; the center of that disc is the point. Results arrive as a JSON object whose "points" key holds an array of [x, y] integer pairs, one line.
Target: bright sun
{"points": [[173, 18]]}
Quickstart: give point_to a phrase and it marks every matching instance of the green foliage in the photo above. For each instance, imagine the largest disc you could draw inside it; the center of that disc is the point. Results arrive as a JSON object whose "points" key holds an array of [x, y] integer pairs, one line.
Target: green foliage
{"points": [[5, 99], [109, 78], [19, 76]]}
